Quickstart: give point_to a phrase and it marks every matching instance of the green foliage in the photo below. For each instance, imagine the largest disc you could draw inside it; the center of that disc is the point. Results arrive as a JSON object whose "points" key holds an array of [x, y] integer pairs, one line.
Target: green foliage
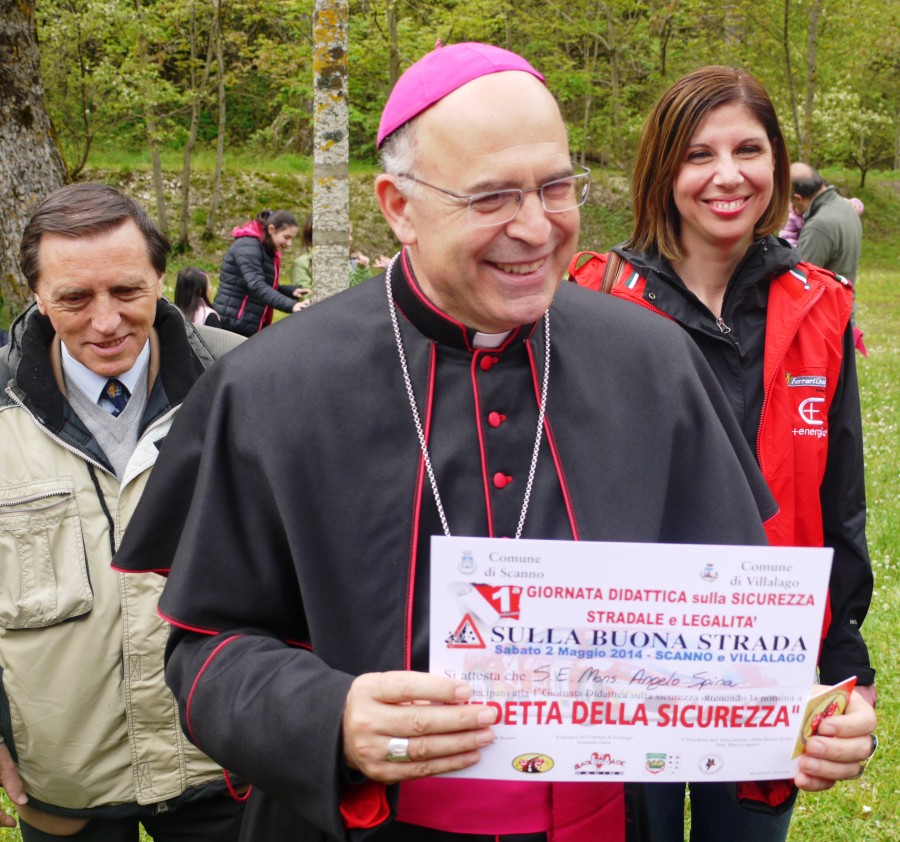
{"points": [[853, 133], [606, 62]]}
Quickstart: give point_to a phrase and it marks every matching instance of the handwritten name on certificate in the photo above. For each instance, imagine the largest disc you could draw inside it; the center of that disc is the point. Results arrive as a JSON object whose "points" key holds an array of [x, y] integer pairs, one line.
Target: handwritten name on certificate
{"points": [[630, 662]]}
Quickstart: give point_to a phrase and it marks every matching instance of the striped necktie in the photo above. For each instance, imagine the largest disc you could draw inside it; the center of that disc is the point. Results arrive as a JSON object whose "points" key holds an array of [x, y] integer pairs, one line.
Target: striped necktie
{"points": [[117, 394]]}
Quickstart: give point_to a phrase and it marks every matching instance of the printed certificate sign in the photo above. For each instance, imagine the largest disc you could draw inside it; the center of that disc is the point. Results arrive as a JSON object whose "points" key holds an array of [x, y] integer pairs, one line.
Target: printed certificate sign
{"points": [[631, 662]]}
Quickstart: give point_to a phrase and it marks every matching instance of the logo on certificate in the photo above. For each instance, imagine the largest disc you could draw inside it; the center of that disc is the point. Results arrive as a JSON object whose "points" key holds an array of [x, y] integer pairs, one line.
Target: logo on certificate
{"points": [[710, 764], [656, 762], [533, 764], [504, 599], [709, 573], [466, 635], [600, 764], [467, 562]]}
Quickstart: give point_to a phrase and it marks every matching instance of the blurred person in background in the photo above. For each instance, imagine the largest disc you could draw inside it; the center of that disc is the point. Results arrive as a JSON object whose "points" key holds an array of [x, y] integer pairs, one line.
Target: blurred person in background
{"points": [[249, 291], [95, 372], [192, 290]]}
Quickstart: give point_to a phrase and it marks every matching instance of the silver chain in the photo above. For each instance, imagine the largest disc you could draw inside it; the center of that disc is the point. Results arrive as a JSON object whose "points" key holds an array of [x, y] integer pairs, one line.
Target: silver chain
{"points": [[423, 445]]}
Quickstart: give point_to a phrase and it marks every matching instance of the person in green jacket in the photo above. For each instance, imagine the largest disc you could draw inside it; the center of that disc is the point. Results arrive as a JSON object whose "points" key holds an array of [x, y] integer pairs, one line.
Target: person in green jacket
{"points": [[301, 270]]}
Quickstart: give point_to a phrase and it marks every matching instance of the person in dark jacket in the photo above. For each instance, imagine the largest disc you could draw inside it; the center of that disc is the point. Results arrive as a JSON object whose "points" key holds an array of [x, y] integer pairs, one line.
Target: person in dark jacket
{"points": [[249, 291], [710, 188]]}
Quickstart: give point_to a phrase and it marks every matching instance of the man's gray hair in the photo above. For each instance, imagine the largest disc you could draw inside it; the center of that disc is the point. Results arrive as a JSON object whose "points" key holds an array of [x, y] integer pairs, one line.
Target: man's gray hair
{"points": [[398, 156]]}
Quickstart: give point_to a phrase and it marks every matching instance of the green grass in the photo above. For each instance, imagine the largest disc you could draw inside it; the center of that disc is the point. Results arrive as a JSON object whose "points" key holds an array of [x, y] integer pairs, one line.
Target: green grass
{"points": [[867, 809], [123, 160]]}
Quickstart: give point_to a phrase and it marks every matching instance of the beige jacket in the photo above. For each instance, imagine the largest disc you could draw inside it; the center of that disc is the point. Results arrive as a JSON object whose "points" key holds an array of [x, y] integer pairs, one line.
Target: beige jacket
{"points": [[83, 704]]}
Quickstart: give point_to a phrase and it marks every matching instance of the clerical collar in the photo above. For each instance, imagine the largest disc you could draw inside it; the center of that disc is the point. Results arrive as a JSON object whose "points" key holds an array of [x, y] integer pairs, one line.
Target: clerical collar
{"points": [[436, 324], [91, 383], [489, 340]]}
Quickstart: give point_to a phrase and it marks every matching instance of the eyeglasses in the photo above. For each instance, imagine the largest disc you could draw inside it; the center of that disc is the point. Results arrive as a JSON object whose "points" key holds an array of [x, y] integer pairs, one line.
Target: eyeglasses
{"points": [[501, 206]]}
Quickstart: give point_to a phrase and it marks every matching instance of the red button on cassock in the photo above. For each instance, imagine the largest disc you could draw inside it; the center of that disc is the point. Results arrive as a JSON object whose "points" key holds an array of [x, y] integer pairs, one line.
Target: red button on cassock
{"points": [[487, 363], [501, 480], [495, 419]]}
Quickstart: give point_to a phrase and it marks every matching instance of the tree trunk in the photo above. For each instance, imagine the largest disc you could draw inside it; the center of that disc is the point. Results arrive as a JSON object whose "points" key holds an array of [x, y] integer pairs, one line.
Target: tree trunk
{"points": [[789, 69], [732, 32], [216, 198], [615, 92], [812, 76], [183, 244], [31, 164], [665, 34], [162, 216], [392, 41], [159, 184], [84, 100], [331, 188], [197, 93], [592, 53], [897, 144]]}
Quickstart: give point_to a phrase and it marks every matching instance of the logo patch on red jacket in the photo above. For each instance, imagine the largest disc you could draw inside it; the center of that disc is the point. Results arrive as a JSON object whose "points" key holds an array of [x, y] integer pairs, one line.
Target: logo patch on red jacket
{"points": [[814, 381]]}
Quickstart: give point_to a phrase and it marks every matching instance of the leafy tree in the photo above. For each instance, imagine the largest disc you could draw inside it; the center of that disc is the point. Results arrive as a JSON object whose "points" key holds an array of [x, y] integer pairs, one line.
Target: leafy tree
{"points": [[853, 133], [78, 79]]}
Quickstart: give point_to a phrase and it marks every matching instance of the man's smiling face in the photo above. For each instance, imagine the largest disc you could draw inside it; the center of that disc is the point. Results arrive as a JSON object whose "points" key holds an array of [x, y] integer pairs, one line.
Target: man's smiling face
{"points": [[100, 294], [497, 132]]}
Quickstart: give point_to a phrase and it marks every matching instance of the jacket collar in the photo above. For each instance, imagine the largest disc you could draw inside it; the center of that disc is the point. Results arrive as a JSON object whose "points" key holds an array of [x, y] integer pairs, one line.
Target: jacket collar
{"points": [[766, 259], [820, 200], [36, 365]]}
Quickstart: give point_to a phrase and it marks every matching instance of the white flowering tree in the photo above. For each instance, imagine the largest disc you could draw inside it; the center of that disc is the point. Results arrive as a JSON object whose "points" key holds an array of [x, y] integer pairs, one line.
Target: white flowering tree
{"points": [[854, 133]]}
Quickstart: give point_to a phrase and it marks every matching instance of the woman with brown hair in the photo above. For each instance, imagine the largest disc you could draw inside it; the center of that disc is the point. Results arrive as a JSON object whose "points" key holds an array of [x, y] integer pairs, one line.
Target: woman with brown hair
{"points": [[710, 189]]}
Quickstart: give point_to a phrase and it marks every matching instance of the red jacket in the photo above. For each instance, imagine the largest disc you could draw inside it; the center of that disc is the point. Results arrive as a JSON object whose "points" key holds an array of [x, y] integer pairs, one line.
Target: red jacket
{"points": [[808, 312]]}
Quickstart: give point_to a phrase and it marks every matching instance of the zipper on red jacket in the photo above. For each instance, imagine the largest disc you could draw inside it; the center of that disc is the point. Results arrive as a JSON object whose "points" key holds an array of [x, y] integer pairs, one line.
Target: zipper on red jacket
{"points": [[641, 303]]}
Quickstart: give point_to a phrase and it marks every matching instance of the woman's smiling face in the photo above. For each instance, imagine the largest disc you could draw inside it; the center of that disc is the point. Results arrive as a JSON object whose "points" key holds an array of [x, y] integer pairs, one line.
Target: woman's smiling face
{"points": [[726, 179]]}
